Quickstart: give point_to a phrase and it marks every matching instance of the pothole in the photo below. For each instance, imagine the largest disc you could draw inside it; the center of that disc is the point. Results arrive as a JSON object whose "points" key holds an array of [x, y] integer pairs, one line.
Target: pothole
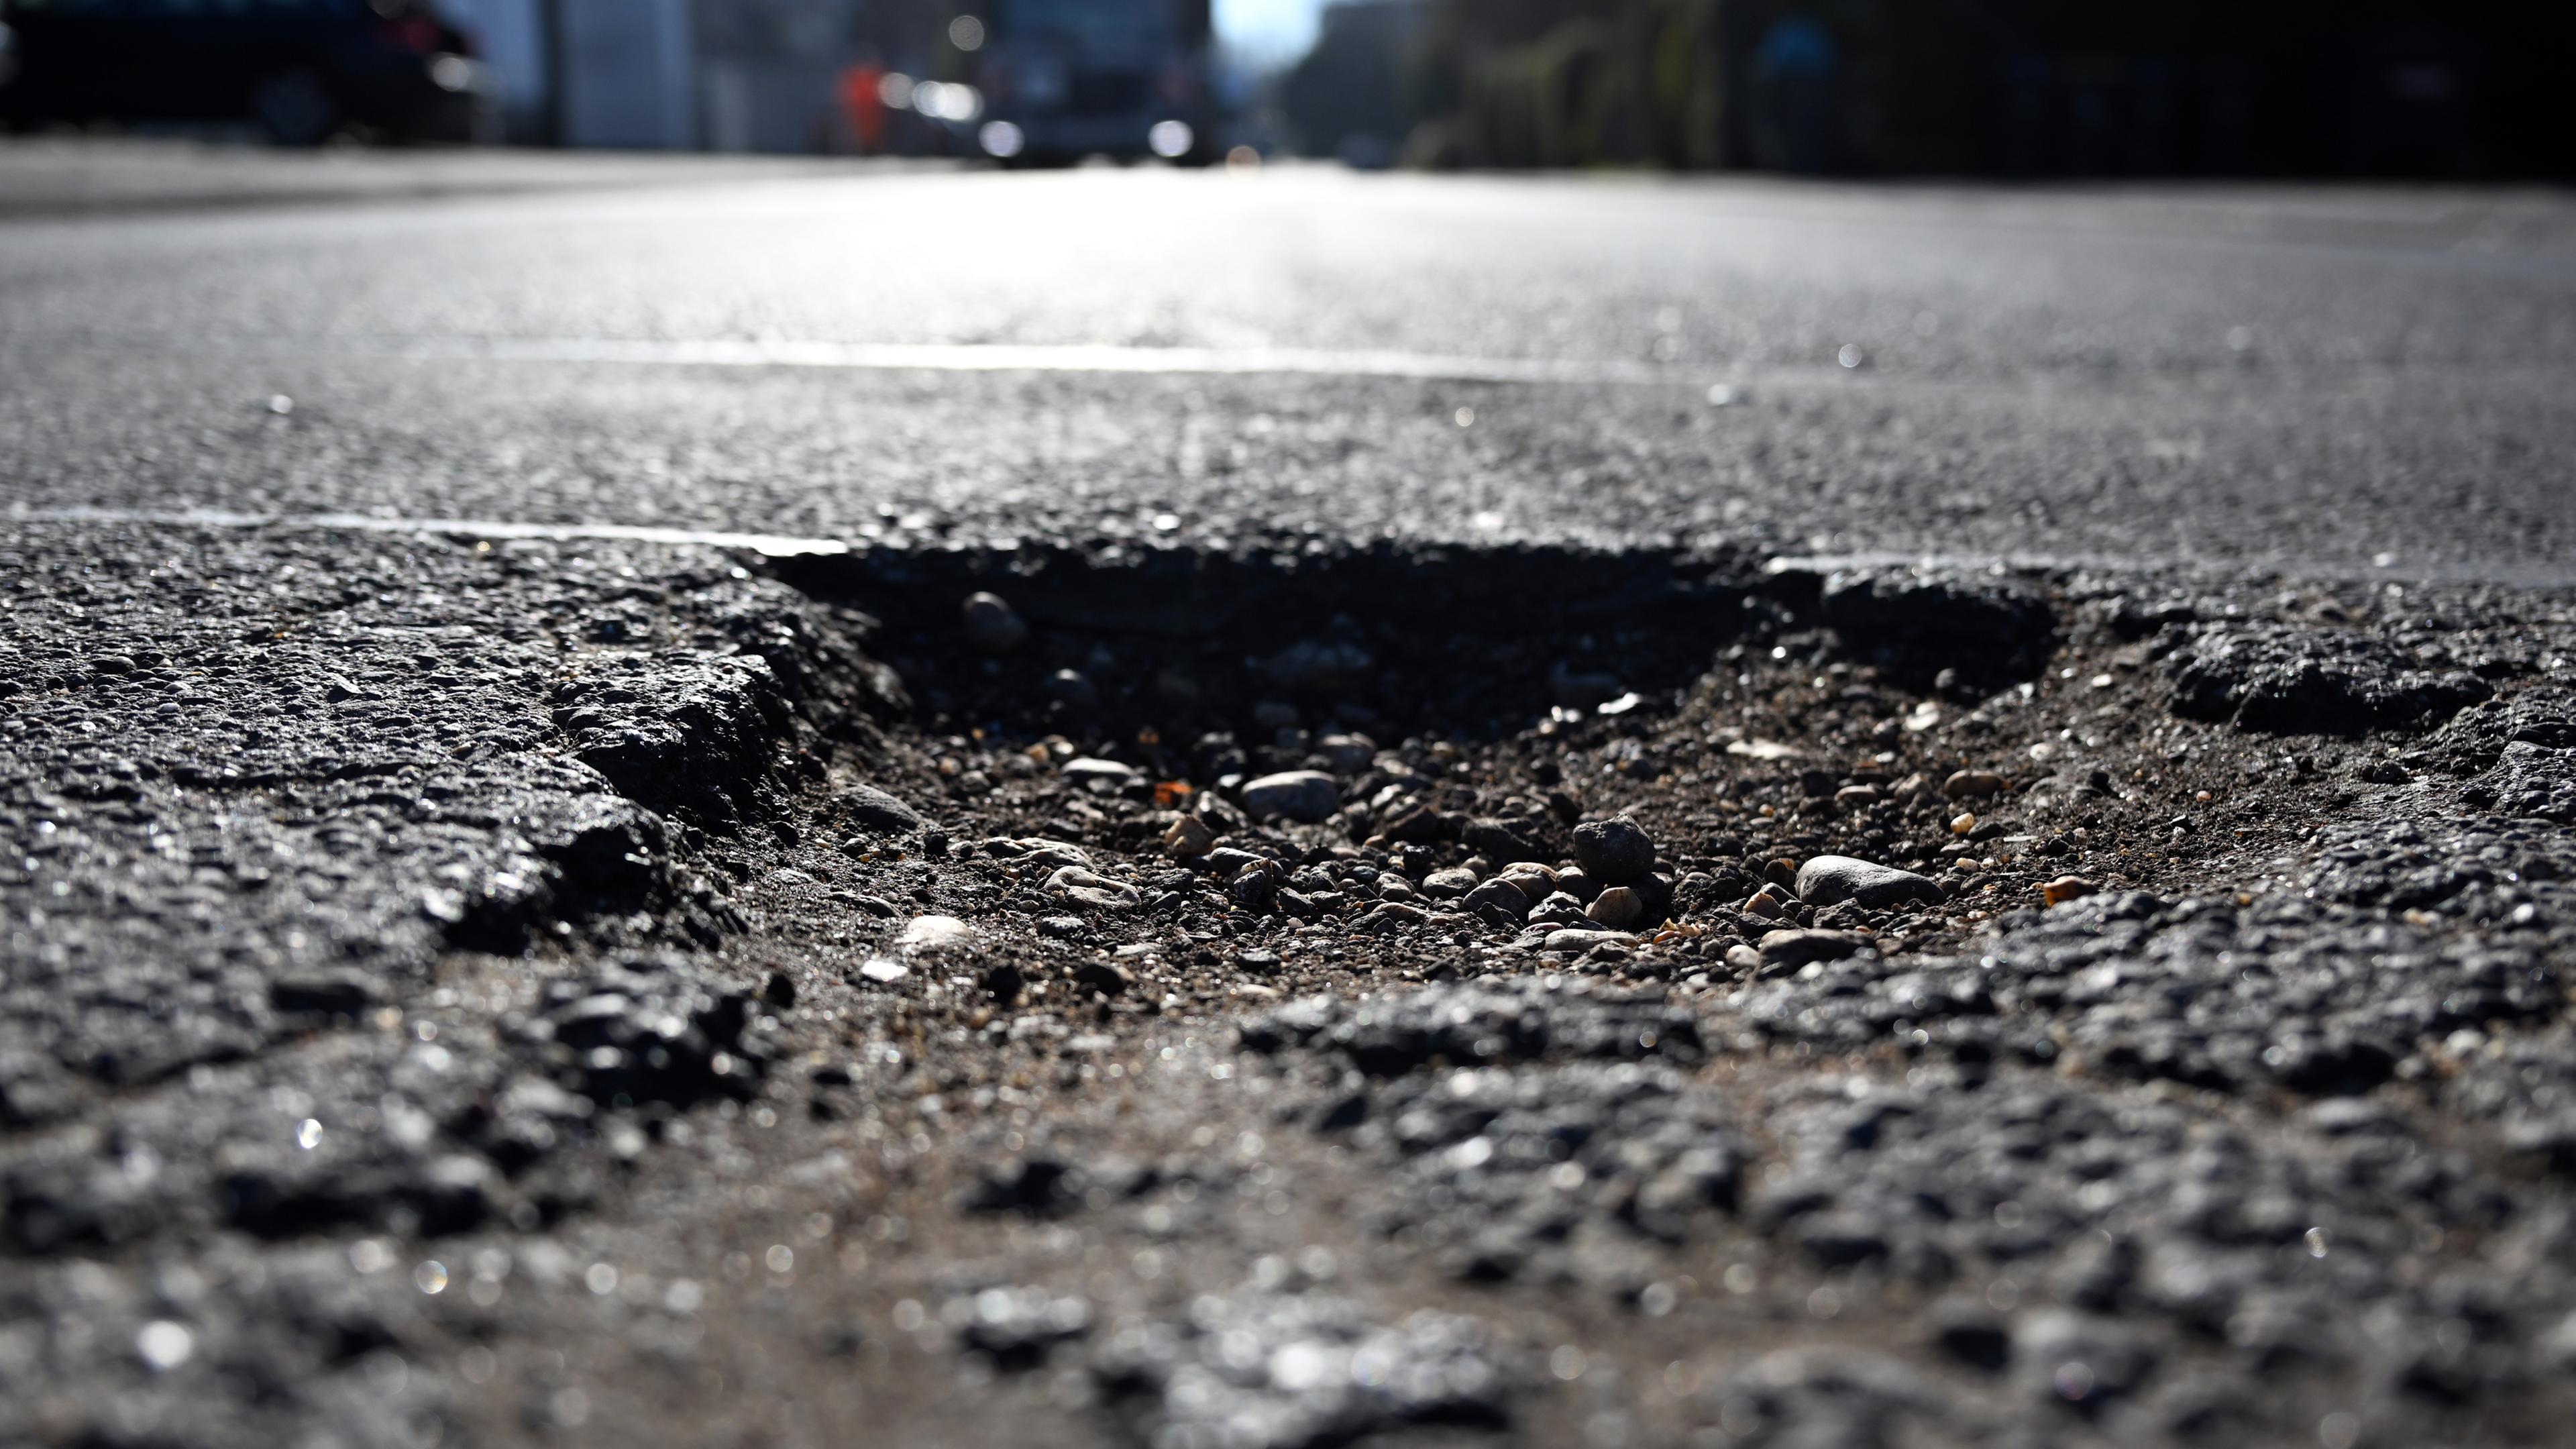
{"points": [[1345, 745], [1392, 732]]}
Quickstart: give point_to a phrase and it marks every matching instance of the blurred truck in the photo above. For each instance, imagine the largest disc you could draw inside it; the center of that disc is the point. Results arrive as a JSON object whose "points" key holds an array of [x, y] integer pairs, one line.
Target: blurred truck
{"points": [[1059, 80]]}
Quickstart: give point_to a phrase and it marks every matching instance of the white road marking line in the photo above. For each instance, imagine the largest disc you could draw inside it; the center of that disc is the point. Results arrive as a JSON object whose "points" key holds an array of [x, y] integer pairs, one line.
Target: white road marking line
{"points": [[768, 545]]}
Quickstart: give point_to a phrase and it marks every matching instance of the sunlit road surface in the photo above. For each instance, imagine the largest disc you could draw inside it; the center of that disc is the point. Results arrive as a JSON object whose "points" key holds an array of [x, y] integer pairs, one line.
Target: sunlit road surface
{"points": [[2340, 380]]}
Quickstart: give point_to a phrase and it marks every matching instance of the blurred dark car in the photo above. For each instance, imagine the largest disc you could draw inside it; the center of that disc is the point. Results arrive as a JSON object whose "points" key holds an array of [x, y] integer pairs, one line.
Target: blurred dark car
{"points": [[302, 70], [1062, 79]]}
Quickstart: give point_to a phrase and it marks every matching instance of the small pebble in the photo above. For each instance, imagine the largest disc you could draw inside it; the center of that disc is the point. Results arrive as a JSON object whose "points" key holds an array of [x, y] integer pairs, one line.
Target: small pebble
{"points": [[1307, 795], [1451, 883], [1256, 885], [1074, 688], [1497, 902], [874, 809], [1973, 784], [1085, 770], [2066, 888], [992, 625], [1348, 754], [1831, 879], [1617, 907], [1189, 838]]}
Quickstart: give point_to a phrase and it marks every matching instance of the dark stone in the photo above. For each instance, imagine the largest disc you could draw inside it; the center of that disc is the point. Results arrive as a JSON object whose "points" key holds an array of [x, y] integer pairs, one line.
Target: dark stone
{"points": [[874, 809], [1613, 852]]}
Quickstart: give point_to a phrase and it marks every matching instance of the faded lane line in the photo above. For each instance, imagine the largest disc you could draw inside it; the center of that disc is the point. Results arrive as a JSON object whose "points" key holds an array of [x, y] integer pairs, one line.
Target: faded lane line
{"points": [[998, 357], [768, 545]]}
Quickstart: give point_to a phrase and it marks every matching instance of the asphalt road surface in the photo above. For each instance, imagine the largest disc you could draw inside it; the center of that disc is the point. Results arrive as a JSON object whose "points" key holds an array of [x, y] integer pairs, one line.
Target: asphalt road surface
{"points": [[535, 908], [2317, 378]]}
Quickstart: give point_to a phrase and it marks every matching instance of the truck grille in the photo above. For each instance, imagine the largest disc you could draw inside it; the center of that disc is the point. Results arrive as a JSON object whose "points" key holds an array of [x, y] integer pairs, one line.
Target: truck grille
{"points": [[1106, 93]]}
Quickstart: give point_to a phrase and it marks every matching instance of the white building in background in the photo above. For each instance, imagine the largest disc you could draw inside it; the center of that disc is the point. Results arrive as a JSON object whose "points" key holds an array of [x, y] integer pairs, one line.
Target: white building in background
{"points": [[510, 38], [629, 74], [628, 69]]}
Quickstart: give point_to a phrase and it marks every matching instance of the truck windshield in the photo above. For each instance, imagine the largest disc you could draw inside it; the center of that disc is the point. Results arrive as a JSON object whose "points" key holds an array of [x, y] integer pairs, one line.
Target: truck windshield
{"points": [[1087, 24]]}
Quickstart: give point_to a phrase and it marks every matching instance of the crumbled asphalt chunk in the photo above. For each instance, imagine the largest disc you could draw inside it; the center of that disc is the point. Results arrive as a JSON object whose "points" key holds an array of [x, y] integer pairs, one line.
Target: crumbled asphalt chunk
{"points": [[1989, 625], [677, 734], [2308, 680], [654, 1030], [1304, 1370]]}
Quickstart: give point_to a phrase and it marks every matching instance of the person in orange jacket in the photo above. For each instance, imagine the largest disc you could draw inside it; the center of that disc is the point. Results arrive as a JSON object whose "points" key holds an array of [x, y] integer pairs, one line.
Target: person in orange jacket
{"points": [[863, 107]]}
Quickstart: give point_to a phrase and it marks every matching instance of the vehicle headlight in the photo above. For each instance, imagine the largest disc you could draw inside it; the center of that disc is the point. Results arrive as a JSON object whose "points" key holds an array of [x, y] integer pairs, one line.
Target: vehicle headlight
{"points": [[1001, 140]]}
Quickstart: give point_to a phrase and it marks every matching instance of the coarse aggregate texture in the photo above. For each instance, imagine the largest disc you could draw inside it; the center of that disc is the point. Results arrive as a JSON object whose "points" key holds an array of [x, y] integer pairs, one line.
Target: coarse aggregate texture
{"points": [[891, 1058]]}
